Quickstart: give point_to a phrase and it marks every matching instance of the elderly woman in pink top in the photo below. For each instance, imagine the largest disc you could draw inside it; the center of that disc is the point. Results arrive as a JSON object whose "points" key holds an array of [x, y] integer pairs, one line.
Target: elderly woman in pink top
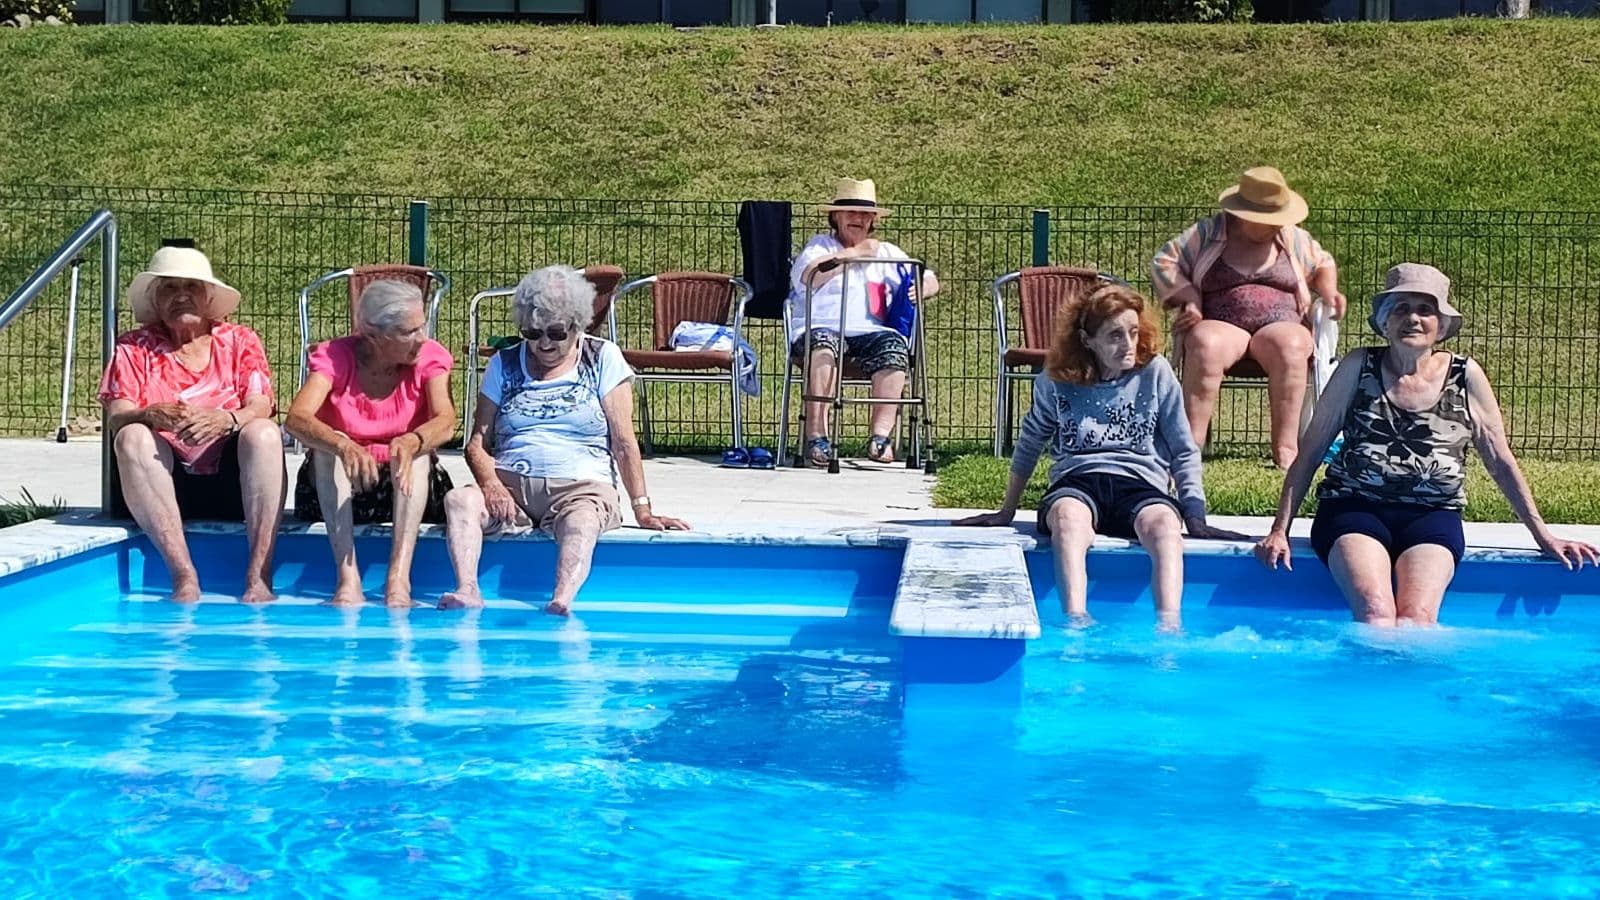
{"points": [[188, 398], [373, 409], [1239, 286]]}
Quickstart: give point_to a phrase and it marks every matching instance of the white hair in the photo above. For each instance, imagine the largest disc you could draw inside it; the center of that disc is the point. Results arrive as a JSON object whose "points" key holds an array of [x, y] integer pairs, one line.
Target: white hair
{"points": [[383, 303], [553, 295]]}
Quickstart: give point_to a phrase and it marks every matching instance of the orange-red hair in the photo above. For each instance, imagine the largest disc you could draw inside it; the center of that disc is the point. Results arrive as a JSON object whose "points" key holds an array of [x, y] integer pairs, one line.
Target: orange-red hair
{"points": [[1070, 360]]}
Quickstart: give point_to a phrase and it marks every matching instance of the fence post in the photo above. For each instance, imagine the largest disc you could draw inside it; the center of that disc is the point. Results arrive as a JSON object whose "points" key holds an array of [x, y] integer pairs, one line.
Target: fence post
{"points": [[1041, 237], [418, 255]]}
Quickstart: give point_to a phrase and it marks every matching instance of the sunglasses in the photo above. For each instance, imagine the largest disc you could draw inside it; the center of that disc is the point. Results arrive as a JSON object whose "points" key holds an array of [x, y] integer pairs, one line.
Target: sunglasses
{"points": [[556, 333]]}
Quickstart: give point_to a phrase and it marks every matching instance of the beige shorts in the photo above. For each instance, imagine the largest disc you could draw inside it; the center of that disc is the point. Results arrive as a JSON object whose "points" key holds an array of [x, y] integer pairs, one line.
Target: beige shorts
{"points": [[545, 501]]}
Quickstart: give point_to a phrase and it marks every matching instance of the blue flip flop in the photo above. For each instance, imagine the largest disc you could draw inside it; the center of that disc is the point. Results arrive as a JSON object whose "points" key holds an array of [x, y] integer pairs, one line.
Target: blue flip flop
{"points": [[735, 458], [761, 458]]}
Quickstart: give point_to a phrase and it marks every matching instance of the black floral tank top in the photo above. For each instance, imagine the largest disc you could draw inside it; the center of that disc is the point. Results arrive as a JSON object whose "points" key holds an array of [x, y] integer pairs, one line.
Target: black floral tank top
{"points": [[1394, 455]]}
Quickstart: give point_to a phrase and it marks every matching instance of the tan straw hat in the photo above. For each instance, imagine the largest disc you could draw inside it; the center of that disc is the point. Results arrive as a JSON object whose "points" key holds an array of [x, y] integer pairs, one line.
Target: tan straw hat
{"points": [[1263, 196], [850, 195], [1416, 278], [180, 262]]}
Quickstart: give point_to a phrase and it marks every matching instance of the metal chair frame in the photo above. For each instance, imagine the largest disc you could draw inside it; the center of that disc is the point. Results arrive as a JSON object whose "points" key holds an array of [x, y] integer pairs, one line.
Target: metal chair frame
{"points": [[739, 296], [1005, 374], [920, 425], [440, 281]]}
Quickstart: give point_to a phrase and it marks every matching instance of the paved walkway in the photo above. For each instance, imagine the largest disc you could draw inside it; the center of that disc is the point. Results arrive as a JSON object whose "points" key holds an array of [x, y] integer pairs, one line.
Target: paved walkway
{"points": [[695, 489]]}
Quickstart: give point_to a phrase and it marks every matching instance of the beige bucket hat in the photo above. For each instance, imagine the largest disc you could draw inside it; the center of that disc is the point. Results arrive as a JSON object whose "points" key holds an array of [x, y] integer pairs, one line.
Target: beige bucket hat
{"points": [[1263, 196], [179, 262], [1417, 278], [850, 195]]}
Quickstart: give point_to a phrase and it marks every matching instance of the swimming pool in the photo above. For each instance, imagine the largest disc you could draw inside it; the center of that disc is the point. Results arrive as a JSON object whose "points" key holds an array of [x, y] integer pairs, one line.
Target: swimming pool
{"points": [[740, 727]]}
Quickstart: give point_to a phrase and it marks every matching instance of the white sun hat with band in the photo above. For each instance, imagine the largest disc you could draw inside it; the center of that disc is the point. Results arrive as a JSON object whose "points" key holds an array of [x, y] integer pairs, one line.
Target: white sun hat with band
{"points": [[180, 262], [850, 195]]}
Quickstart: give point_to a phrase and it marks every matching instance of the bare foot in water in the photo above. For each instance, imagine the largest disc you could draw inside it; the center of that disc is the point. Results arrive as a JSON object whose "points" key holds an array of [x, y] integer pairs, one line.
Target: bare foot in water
{"points": [[558, 608], [461, 598], [186, 588], [257, 592], [348, 595], [398, 597]]}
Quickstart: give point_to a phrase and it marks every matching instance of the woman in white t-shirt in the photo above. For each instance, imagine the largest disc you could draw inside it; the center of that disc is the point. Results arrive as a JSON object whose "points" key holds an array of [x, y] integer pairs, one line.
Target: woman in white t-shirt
{"points": [[878, 350], [558, 409]]}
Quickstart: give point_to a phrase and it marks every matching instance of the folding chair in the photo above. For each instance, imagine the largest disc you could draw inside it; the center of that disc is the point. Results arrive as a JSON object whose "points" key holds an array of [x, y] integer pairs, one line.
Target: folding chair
{"points": [[432, 283], [920, 425], [1042, 292], [678, 297], [477, 352]]}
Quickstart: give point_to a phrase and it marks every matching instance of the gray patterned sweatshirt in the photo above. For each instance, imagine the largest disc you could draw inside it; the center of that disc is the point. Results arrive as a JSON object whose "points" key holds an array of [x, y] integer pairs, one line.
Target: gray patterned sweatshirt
{"points": [[1133, 426]]}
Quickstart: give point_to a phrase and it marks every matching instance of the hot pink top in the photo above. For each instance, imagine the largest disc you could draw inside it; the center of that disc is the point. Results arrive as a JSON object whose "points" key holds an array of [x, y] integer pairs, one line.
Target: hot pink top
{"points": [[145, 370], [373, 422]]}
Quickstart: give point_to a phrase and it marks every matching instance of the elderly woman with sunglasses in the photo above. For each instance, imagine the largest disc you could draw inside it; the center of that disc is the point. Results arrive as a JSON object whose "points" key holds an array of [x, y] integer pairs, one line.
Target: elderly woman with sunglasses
{"points": [[373, 409], [557, 409]]}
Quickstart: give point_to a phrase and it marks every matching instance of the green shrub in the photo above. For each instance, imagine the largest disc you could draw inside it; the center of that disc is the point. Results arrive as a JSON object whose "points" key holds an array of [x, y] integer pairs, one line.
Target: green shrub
{"points": [[1174, 10], [218, 12], [15, 512], [36, 9]]}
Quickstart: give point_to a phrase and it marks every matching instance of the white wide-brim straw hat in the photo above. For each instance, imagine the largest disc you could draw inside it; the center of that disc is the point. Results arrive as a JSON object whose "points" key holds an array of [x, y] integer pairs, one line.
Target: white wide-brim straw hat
{"points": [[850, 195], [1263, 196], [180, 262], [1417, 278]]}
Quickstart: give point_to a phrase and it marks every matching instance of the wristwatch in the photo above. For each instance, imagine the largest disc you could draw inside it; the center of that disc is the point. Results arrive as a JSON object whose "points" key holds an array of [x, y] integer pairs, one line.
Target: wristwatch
{"points": [[641, 500]]}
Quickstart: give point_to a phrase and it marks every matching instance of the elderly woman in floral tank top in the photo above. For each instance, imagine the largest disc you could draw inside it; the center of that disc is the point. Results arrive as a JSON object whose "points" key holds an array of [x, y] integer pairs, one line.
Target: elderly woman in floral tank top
{"points": [[1388, 522], [1239, 286]]}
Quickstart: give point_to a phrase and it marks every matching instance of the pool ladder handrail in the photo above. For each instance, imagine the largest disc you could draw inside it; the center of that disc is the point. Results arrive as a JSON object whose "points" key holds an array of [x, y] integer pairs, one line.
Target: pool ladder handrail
{"points": [[102, 225]]}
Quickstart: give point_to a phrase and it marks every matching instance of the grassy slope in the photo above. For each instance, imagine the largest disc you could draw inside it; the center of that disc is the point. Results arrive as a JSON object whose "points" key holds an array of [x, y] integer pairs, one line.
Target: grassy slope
{"points": [[1566, 491], [1464, 113]]}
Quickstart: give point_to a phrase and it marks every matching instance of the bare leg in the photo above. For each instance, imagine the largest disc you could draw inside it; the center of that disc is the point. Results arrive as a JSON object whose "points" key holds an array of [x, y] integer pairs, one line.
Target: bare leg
{"points": [[1284, 351], [464, 517], [408, 511], [1360, 567], [1071, 533], [575, 533], [338, 513], [1422, 574], [887, 384], [1161, 534], [823, 366], [262, 481], [145, 463], [1210, 348]]}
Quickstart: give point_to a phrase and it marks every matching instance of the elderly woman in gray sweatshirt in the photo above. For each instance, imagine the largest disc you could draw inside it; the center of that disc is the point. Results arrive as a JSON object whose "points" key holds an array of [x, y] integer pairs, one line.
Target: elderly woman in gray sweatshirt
{"points": [[1109, 411]]}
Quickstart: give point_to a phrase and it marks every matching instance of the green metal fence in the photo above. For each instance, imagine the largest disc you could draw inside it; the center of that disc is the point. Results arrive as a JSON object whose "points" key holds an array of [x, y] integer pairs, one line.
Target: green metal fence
{"points": [[1527, 282]]}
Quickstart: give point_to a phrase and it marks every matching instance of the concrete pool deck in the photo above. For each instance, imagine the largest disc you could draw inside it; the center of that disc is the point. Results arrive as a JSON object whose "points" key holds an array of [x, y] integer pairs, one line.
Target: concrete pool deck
{"points": [[710, 497]]}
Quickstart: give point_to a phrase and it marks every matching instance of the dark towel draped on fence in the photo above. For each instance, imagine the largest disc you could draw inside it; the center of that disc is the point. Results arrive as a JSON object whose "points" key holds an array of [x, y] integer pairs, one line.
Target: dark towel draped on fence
{"points": [[765, 242]]}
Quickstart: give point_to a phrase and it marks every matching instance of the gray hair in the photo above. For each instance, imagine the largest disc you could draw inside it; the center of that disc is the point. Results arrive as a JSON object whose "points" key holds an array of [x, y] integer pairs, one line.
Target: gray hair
{"points": [[383, 302], [553, 295]]}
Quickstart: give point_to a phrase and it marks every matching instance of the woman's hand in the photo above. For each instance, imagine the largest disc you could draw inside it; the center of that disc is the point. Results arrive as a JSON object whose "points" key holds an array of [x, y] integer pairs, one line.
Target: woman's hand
{"points": [[1198, 528], [358, 464], [1186, 316], [650, 520], [163, 416], [202, 426], [1337, 304], [1274, 548], [1573, 554], [403, 452], [498, 502], [984, 520]]}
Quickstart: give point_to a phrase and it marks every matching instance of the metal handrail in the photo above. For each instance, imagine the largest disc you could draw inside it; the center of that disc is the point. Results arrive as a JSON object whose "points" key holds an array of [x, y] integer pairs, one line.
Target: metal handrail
{"points": [[101, 225]]}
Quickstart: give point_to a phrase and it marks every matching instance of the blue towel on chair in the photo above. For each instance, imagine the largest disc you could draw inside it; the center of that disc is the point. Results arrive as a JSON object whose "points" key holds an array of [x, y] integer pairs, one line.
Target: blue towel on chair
{"points": [[708, 336]]}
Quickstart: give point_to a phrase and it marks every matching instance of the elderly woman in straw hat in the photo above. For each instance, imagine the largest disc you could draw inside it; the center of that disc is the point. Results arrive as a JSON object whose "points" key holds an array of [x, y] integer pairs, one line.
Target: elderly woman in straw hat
{"points": [[188, 398], [1388, 523], [1239, 285], [374, 408], [552, 438], [880, 351]]}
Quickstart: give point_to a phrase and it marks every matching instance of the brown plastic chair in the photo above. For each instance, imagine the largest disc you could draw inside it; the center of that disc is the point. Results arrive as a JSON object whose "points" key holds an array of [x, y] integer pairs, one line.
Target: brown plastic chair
{"points": [[1042, 292], [605, 279], [433, 284], [675, 298]]}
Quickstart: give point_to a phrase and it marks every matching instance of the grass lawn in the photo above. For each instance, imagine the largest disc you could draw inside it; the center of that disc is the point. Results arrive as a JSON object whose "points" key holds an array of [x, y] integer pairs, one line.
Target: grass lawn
{"points": [[1467, 113], [1566, 491]]}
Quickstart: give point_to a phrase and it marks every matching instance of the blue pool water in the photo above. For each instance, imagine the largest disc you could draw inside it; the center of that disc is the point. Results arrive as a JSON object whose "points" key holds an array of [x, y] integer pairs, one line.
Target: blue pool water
{"points": [[750, 735]]}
